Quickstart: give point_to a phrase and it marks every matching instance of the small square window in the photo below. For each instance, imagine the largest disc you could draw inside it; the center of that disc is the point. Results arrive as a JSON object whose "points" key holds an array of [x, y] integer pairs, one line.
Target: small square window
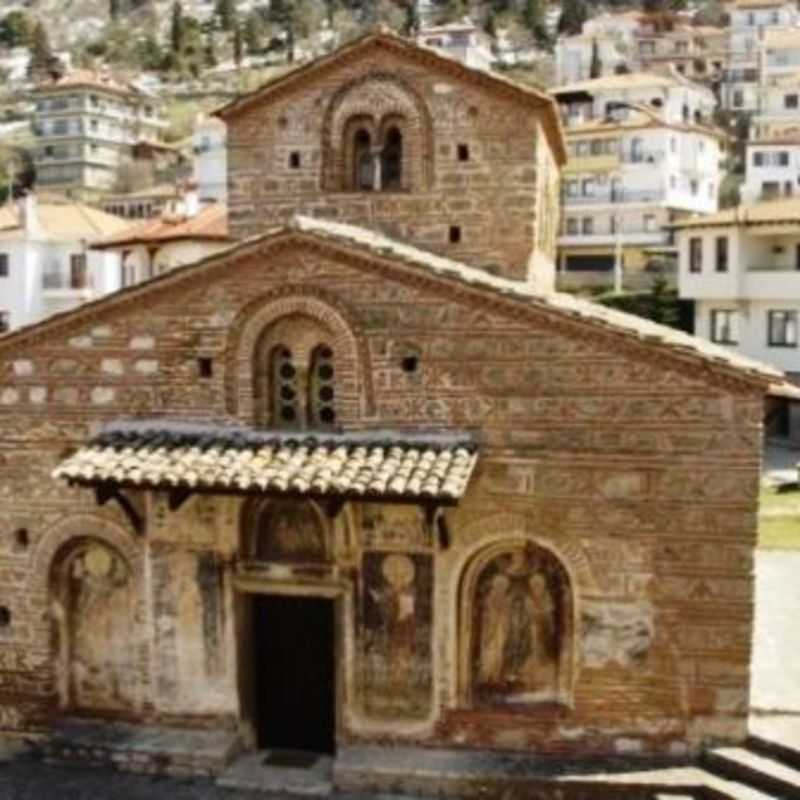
{"points": [[3, 265], [782, 328], [463, 152], [723, 326], [455, 234], [5, 321], [294, 160], [205, 367]]}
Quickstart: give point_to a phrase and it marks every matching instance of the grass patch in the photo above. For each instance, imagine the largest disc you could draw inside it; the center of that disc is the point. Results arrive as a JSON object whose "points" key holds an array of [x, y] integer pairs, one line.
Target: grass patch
{"points": [[779, 519]]}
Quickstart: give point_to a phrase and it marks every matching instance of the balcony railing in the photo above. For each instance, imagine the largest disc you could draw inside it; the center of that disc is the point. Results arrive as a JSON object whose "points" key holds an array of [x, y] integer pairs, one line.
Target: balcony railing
{"points": [[645, 157], [621, 196], [63, 280], [774, 268]]}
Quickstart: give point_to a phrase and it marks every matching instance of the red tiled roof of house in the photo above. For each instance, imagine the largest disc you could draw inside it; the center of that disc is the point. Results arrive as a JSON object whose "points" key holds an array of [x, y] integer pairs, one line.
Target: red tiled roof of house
{"points": [[210, 223]]}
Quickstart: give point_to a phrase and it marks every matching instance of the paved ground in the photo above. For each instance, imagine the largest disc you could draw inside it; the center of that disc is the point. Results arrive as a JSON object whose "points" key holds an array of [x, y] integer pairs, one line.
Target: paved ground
{"points": [[27, 780], [776, 658]]}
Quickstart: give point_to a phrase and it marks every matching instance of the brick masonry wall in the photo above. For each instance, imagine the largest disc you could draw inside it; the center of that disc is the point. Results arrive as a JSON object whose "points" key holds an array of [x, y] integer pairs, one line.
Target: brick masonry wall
{"points": [[504, 197], [637, 469]]}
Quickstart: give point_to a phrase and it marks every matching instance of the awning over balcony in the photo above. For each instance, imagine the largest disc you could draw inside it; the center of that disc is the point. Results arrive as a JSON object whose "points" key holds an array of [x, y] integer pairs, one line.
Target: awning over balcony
{"points": [[368, 465]]}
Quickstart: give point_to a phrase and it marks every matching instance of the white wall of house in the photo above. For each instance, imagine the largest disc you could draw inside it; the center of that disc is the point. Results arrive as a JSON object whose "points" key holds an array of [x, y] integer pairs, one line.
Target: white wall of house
{"points": [[772, 170], [139, 264], [573, 57], [761, 279], [40, 280], [210, 161]]}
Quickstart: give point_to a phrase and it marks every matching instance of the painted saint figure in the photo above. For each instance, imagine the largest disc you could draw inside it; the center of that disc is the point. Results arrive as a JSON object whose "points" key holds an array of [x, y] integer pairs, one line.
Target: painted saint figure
{"points": [[517, 651]]}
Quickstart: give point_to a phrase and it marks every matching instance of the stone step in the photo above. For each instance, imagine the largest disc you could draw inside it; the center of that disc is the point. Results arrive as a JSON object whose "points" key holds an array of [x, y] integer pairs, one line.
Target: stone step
{"points": [[780, 751], [249, 772], [151, 750], [759, 771]]}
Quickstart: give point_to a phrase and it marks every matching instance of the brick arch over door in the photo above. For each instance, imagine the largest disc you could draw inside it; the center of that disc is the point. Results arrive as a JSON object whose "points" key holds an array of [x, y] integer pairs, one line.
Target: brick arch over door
{"points": [[355, 396], [378, 97]]}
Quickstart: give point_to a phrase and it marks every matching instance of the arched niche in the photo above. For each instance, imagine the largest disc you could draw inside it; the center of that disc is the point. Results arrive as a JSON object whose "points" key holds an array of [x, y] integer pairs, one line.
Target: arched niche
{"points": [[287, 531], [378, 103], [93, 596], [516, 628], [261, 324]]}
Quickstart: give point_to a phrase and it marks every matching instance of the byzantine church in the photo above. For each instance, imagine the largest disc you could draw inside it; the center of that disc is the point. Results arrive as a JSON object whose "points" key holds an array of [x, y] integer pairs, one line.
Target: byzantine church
{"points": [[364, 477]]}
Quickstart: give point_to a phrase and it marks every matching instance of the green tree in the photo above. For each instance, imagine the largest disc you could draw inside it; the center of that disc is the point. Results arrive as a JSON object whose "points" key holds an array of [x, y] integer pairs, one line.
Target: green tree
{"points": [[210, 51], [253, 33], [573, 14], [238, 45], [16, 29], [596, 65], [42, 59], [226, 14], [533, 17], [411, 25], [177, 28]]}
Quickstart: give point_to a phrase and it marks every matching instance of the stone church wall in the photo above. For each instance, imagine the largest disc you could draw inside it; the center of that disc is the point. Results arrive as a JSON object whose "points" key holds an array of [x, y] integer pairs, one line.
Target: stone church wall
{"points": [[475, 159], [617, 485]]}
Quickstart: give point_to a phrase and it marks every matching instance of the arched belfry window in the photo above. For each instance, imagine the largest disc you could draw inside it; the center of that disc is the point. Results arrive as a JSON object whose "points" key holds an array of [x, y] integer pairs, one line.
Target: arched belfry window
{"points": [[283, 385], [295, 376], [363, 164], [392, 160], [321, 389]]}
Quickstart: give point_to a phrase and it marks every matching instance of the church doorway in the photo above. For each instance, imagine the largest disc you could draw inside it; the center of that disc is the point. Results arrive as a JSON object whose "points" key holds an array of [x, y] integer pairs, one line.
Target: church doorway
{"points": [[295, 676]]}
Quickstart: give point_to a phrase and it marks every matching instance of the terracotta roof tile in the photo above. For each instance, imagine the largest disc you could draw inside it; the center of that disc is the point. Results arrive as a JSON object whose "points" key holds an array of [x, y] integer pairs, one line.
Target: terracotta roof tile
{"points": [[364, 464], [784, 211], [90, 79], [63, 220], [210, 222]]}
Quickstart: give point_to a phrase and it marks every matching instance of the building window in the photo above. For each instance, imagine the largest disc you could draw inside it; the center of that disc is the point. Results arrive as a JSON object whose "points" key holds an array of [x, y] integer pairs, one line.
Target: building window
{"points": [[721, 254], [758, 159], [5, 321], [463, 152], [284, 387], [790, 101], [587, 226], [364, 172], [723, 326], [321, 388], [572, 188], [588, 187], [783, 158], [572, 226], [294, 160], [694, 187], [695, 254], [77, 271], [782, 328], [3, 265], [392, 160], [649, 222], [738, 98]]}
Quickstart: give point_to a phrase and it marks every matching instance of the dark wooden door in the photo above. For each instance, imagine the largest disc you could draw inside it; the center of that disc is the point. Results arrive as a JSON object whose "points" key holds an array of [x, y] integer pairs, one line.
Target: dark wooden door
{"points": [[295, 682]]}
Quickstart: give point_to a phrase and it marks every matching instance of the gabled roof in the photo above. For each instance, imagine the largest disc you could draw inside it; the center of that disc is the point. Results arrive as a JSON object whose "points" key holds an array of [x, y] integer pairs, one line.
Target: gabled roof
{"points": [[62, 220], [785, 211], [383, 38], [209, 224], [360, 242], [88, 79]]}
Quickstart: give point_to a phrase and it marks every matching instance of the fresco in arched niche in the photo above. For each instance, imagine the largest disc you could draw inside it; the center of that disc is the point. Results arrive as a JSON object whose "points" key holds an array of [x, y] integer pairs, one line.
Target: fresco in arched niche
{"points": [[397, 621], [289, 531], [520, 623], [93, 609]]}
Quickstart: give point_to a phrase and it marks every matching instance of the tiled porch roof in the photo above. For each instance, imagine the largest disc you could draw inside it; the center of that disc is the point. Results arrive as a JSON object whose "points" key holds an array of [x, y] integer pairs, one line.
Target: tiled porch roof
{"points": [[365, 464]]}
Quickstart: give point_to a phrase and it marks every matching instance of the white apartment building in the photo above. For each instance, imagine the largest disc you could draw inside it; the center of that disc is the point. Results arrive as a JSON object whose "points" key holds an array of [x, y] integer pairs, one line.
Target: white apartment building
{"points": [[641, 154], [46, 264], [752, 21], [462, 40], [773, 168], [741, 268], [573, 57], [210, 159], [87, 126], [779, 108]]}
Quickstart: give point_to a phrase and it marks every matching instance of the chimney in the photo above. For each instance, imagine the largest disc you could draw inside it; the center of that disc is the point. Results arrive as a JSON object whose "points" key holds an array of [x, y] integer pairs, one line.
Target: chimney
{"points": [[191, 200], [28, 214]]}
